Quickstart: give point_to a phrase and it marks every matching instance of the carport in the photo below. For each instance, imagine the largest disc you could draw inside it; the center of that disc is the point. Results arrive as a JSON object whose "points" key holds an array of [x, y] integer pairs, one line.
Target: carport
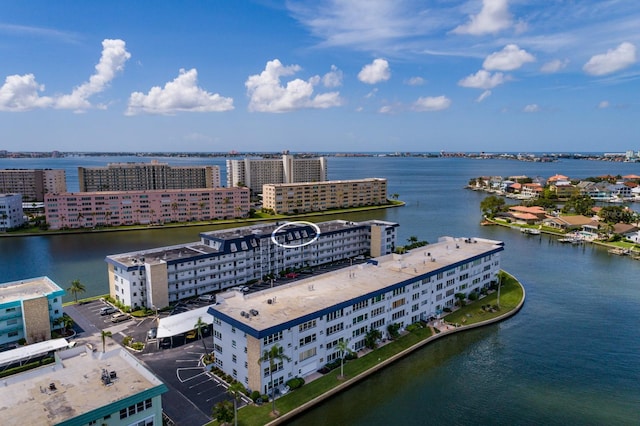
{"points": [[182, 323], [24, 354]]}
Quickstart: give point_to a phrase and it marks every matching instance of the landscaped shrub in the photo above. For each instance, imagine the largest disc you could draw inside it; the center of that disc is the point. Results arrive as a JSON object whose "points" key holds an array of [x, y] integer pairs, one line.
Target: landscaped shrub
{"points": [[138, 346], [413, 327], [127, 340], [348, 356], [255, 395], [295, 383]]}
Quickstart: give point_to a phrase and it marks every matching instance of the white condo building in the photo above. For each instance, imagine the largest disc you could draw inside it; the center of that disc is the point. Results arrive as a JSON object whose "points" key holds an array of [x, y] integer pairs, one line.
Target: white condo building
{"points": [[253, 173], [308, 318], [11, 213], [232, 257]]}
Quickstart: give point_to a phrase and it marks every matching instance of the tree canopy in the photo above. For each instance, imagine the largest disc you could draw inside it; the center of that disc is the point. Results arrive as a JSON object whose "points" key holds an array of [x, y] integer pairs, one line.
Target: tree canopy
{"points": [[492, 205]]}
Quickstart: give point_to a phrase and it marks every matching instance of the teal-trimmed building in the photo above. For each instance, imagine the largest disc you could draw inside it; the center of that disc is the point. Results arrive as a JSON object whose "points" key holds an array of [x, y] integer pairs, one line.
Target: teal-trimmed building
{"points": [[29, 310], [84, 387]]}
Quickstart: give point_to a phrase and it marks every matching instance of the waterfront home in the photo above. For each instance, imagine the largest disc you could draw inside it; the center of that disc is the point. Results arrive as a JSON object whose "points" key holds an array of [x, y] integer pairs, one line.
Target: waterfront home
{"points": [[531, 190], [528, 215], [597, 191], [628, 231], [567, 223]]}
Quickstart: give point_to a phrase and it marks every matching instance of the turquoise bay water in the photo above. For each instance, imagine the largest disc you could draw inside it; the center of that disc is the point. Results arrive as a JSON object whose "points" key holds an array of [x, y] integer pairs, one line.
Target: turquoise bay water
{"points": [[571, 356]]}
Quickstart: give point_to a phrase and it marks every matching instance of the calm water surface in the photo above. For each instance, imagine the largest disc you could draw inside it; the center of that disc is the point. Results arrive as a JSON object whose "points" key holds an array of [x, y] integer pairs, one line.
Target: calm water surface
{"points": [[570, 357]]}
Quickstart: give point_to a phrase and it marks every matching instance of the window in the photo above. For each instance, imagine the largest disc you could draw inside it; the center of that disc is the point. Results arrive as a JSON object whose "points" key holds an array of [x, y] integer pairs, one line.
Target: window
{"points": [[377, 311], [335, 314], [335, 328], [359, 331], [307, 354], [307, 325], [398, 303], [378, 298], [377, 324], [361, 305], [272, 338], [397, 315], [309, 339], [398, 291], [234, 358], [360, 318]]}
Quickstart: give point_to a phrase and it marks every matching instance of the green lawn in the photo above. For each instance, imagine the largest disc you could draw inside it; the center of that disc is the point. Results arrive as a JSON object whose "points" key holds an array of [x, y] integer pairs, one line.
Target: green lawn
{"points": [[511, 293]]}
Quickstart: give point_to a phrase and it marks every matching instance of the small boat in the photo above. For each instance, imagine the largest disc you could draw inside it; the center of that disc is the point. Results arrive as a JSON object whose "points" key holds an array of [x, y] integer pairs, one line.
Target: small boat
{"points": [[619, 251], [570, 240], [530, 231]]}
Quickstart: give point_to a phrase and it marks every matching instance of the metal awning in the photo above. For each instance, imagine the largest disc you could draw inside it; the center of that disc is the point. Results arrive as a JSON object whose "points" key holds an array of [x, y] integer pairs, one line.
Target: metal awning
{"points": [[183, 322], [24, 353]]}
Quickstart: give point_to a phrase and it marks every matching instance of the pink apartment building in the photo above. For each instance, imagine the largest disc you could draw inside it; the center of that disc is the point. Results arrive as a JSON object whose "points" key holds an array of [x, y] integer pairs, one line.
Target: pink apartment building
{"points": [[115, 208]]}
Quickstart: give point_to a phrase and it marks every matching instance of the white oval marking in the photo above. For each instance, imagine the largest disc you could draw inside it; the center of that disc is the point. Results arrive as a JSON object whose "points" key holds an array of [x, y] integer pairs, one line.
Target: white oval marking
{"points": [[299, 222]]}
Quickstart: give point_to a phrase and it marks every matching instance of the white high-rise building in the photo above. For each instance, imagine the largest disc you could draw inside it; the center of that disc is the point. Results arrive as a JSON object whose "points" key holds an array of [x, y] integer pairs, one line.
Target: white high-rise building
{"points": [[11, 213], [253, 173]]}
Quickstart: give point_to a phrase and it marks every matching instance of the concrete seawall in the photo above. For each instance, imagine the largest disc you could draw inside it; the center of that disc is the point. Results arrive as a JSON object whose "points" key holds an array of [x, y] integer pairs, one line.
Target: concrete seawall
{"points": [[319, 399]]}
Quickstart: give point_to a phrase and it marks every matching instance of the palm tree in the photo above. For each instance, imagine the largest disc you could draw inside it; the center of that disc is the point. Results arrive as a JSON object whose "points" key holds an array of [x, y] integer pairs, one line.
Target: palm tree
{"points": [[273, 355], [65, 321], [236, 390], [76, 287], [199, 326], [344, 349], [105, 334]]}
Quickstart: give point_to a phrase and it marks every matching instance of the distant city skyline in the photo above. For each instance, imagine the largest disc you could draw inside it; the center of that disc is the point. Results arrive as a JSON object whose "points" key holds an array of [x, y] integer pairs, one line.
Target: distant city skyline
{"points": [[320, 76]]}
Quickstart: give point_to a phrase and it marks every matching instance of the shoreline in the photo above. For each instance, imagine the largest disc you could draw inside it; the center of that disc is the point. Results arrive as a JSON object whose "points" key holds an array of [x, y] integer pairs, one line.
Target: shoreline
{"points": [[239, 222], [391, 360]]}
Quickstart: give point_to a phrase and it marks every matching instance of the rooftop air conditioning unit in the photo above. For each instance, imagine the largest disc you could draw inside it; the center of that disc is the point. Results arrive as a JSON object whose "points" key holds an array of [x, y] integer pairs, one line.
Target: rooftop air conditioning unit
{"points": [[269, 301]]}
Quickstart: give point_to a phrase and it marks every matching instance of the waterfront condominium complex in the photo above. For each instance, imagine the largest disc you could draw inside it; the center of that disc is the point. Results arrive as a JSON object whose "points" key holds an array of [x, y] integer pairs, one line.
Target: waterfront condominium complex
{"points": [[232, 257], [28, 310], [253, 173], [81, 387], [146, 176], [32, 183], [116, 208], [11, 213], [318, 196], [308, 318]]}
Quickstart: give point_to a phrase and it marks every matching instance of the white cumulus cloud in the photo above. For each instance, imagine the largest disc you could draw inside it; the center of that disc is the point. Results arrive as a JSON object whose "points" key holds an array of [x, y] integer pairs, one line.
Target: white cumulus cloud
{"points": [[375, 72], [333, 78], [492, 18], [429, 103], [531, 108], [483, 96], [266, 94], [603, 105], [614, 60], [508, 59], [554, 66], [483, 79], [415, 81], [21, 93], [114, 56], [181, 94]]}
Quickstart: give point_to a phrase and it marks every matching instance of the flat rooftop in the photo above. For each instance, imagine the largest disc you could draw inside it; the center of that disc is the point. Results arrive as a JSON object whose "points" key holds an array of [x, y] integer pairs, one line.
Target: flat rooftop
{"points": [[77, 386], [27, 289], [325, 290], [262, 230]]}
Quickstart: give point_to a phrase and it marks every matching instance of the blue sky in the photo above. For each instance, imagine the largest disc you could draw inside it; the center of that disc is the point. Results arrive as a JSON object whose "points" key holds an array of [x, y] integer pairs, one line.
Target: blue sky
{"points": [[320, 75]]}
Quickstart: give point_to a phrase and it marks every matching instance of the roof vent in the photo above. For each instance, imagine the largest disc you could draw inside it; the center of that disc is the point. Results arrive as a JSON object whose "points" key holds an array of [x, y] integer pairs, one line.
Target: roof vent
{"points": [[253, 312], [269, 301], [243, 314]]}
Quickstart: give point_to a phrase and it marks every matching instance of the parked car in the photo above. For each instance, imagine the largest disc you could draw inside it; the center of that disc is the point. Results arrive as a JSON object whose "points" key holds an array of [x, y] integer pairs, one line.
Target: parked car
{"points": [[152, 333], [191, 335], [119, 317], [108, 310], [292, 275], [209, 298]]}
